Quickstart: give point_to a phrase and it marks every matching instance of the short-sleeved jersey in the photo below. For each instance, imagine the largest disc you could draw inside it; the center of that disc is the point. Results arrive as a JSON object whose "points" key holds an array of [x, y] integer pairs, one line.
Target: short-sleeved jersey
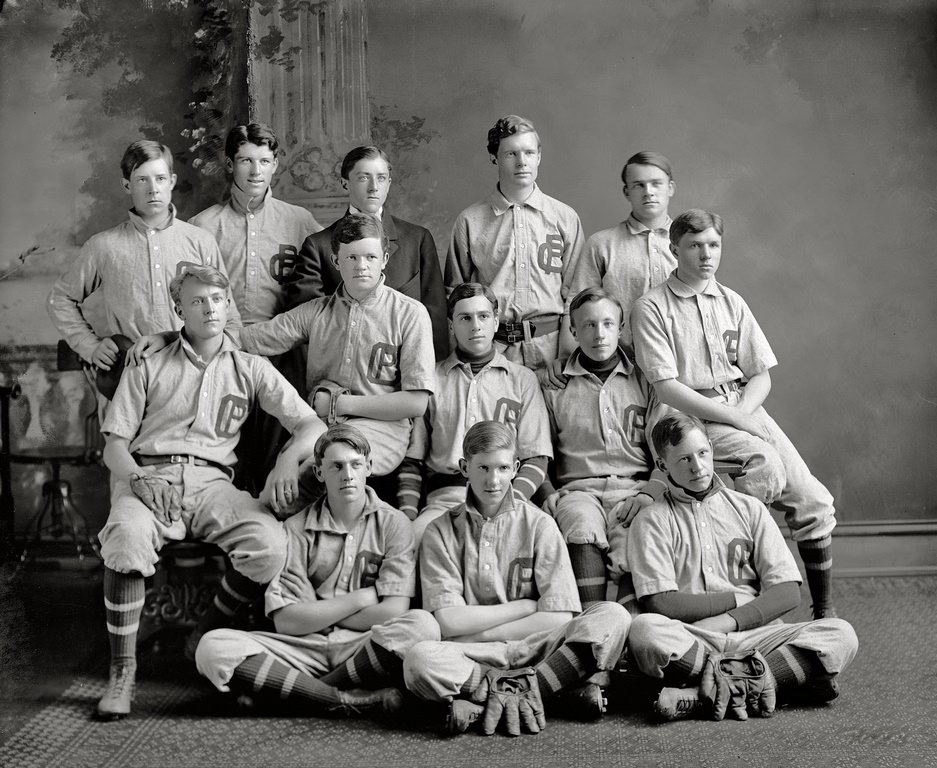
{"points": [[324, 559], [701, 339], [381, 344], [599, 427], [517, 554], [501, 391], [728, 542], [525, 252], [132, 265], [260, 245], [627, 261], [174, 402]]}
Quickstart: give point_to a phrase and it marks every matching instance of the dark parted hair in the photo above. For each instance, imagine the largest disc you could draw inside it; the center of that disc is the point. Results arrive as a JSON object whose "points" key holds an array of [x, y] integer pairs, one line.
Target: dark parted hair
{"points": [[252, 133], [695, 220], [341, 433], [488, 436], [357, 226], [508, 126], [469, 291], [594, 293], [648, 158], [362, 153], [672, 429], [141, 152]]}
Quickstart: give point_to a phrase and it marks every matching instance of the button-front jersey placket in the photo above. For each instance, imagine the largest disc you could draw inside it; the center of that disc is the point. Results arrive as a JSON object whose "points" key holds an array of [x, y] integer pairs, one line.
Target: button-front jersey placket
{"points": [[487, 562], [158, 277], [352, 334], [657, 250], [201, 425], [251, 261], [705, 534], [472, 413], [712, 336], [521, 260], [608, 418]]}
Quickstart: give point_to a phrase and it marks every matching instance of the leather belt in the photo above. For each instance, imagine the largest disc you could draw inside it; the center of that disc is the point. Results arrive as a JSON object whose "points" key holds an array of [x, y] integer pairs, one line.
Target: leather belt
{"points": [[525, 330], [180, 458], [722, 390]]}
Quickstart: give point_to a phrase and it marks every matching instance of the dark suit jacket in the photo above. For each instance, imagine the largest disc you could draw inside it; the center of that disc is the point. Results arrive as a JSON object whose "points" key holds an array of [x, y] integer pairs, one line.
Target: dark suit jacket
{"points": [[412, 268]]}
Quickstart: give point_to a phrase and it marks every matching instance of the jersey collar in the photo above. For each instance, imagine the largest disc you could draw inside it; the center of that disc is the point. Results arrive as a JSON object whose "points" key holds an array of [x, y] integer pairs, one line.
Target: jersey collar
{"points": [[471, 511], [227, 345], [681, 289], [498, 361], [679, 494], [500, 204], [574, 367], [370, 298], [243, 203], [138, 224], [635, 227], [319, 516]]}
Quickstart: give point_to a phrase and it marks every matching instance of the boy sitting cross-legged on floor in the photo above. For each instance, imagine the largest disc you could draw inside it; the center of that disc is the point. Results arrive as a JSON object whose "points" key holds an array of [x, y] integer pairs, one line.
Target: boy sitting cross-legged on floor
{"points": [[714, 573], [340, 604], [496, 574]]}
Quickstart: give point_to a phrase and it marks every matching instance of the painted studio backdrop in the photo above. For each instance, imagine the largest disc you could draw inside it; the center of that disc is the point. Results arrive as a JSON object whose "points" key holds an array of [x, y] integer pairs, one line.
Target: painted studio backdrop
{"points": [[811, 125]]}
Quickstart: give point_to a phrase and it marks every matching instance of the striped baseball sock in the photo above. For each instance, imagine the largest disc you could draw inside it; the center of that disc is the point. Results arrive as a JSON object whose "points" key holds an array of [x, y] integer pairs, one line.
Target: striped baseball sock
{"points": [[817, 555], [565, 667], [234, 591], [589, 568], [626, 595], [792, 668], [265, 675], [688, 668], [475, 679], [371, 667], [123, 606]]}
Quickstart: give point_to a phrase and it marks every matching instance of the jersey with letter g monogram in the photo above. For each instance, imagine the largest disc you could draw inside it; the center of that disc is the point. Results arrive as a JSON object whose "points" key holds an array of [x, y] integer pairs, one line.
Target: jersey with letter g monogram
{"points": [[174, 403], [526, 252], [381, 344], [324, 559], [518, 553], [728, 542]]}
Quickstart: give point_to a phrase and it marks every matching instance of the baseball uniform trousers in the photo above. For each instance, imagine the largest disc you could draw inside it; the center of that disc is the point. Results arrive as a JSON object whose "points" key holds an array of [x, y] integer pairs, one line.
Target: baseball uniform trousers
{"points": [[213, 510], [436, 671], [221, 651], [655, 641]]}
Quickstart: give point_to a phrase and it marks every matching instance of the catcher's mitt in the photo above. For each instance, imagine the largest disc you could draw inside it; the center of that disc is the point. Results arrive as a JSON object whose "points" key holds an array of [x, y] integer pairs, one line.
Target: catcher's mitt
{"points": [[738, 683]]}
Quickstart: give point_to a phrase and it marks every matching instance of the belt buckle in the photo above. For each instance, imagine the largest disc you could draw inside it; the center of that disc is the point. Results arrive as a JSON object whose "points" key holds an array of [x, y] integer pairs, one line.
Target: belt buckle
{"points": [[513, 338], [178, 458]]}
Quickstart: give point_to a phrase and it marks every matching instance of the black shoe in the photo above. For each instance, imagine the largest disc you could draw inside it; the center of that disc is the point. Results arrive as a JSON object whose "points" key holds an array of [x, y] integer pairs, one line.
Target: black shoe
{"points": [[356, 702]]}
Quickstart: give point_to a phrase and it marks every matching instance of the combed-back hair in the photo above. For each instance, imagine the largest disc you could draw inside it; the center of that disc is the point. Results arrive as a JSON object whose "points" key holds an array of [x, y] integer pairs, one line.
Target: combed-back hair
{"points": [[202, 273], [594, 293], [141, 152], [672, 429], [341, 433], [355, 227], [252, 133], [487, 436], [470, 291], [648, 158], [695, 220], [508, 126], [362, 153]]}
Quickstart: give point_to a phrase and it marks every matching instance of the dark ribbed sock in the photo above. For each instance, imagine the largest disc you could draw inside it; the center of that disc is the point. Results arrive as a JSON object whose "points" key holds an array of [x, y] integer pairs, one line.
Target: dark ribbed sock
{"points": [[688, 668], [234, 590], [372, 666], [123, 607], [626, 595], [817, 555], [565, 667], [589, 567], [792, 668], [271, 678]]}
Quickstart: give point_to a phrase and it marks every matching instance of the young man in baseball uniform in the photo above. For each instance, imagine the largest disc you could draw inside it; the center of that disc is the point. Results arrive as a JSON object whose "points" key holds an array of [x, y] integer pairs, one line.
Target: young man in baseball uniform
{"points": [[171, 430], [475, 383], [340, 604], [260, 238], [412, 262], [603, 463], [370, 356], [524, 245], [132, 264], [496, 575], [629, 259], [714, 572], [702, 349]]}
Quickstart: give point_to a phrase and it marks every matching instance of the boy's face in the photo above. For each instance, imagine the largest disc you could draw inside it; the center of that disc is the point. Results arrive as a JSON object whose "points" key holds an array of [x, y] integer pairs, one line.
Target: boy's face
{"points": [[361, 264], [344, 472], [648, 189], [490, 474], [150, 188], [597, 326], [518, 160], [252, 168], [368, 184], [698, 256], [204, 308], [690, 462], [473, 324]]}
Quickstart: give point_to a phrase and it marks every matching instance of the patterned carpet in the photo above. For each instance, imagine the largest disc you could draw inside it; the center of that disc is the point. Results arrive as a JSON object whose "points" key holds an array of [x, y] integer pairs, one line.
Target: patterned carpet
{"points": [[886, 716]]}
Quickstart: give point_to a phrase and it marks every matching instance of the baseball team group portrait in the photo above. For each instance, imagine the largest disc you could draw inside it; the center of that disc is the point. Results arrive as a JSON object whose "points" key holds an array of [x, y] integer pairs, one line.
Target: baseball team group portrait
{"points": [[473, 369]]}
